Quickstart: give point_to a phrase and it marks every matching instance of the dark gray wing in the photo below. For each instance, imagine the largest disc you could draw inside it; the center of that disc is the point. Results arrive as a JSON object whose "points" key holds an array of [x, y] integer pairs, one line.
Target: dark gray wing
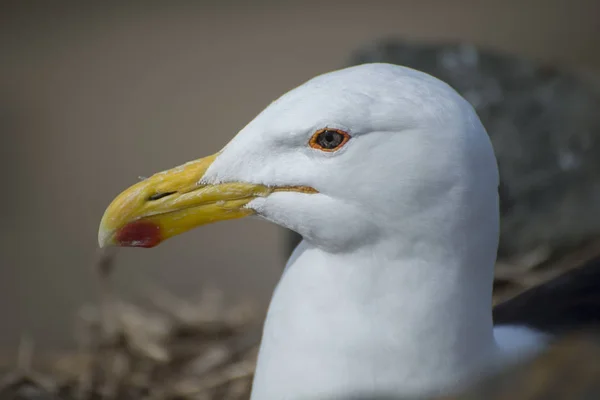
{"points": [[564, 304]]}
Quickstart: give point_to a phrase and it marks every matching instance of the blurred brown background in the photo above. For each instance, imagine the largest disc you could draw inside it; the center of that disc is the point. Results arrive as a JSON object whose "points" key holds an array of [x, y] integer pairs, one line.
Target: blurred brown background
{"points": [[94, 95]]}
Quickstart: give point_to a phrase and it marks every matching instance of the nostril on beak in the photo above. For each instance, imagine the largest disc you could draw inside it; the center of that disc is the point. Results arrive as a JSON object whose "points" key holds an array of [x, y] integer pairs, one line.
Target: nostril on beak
{"points": [[158, 196]]}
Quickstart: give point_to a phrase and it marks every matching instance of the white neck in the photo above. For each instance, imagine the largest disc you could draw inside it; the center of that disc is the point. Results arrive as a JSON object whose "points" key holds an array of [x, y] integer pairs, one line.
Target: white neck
{"points": [[342, 325]]}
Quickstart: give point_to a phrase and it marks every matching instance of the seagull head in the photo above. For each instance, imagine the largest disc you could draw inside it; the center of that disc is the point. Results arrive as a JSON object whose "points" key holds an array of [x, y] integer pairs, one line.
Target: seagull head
{"points": [[349, 159]]}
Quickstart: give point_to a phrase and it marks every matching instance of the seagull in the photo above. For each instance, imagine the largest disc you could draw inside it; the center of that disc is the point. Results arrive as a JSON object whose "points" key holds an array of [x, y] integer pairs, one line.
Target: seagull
{"points": [[390, 178]]}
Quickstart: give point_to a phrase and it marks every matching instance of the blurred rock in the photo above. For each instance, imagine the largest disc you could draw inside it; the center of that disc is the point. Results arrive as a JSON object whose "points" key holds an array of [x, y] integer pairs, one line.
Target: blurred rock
{"points": [[567, 370], [24, 387], [545, 127]]}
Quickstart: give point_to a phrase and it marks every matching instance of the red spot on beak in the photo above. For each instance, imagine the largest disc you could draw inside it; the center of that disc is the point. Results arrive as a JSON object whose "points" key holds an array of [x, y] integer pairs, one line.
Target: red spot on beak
{"points": [[139, 234]]}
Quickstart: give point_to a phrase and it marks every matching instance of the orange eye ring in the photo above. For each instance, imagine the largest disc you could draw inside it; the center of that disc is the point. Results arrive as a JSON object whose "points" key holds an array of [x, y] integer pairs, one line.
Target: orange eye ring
{"points": [[329, 139]]}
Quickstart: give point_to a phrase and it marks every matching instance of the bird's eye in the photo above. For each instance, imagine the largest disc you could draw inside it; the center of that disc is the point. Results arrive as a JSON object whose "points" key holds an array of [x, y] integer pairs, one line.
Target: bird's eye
{"points": [[329, 139]]}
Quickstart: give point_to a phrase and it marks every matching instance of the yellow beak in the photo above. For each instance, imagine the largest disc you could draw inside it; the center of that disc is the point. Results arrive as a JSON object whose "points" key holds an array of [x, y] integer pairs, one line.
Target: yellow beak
{"points": [[172, 202]]}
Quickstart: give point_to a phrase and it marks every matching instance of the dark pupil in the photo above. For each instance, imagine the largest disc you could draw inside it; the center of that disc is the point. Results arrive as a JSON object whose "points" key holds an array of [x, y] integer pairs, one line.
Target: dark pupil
{"points": [[330, 139]]}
